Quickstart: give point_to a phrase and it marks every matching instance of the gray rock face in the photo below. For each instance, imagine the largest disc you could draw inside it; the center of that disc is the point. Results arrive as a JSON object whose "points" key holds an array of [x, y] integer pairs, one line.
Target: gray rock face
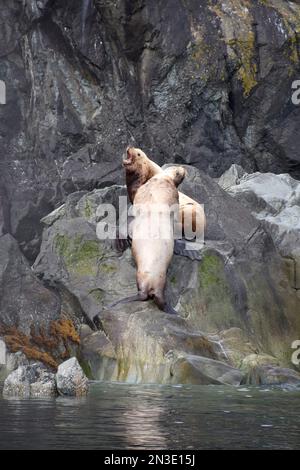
{"points": [[231, 177], [4, 210], [234, 302], [30, 381], [24, 301], [34, 320], [71, 380], [85, 77], [274, 200]]}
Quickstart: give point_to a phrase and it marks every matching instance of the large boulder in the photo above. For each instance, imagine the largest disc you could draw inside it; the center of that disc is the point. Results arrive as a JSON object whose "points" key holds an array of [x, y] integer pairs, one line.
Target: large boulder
{"points": [[71, 380], [233, 302], [204, 371], [30, 381], [270, 375]]}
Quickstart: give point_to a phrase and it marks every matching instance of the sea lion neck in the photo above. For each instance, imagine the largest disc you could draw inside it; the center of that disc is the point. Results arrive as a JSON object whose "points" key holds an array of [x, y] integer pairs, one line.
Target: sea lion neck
{"points": [[134, 180], [139, 175]]}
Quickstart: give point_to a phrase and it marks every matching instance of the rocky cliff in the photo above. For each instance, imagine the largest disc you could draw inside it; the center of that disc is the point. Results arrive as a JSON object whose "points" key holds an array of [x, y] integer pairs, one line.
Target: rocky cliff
{"points": [[207, 83], [238, 304], [202, 83]]}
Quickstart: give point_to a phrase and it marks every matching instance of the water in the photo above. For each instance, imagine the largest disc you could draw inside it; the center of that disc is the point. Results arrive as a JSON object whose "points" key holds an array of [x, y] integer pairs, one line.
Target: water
{"points": [[116, 416]]}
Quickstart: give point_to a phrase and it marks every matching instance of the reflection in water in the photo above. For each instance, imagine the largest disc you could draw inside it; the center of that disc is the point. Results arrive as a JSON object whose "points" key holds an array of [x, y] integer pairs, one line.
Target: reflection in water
{"points": [[149, 411], [116, 416]]}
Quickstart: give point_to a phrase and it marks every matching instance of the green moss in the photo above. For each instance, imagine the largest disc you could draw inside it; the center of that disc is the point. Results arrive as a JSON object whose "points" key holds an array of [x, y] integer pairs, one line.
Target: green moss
{"points": [[123, 369], [209, 271], [80, 255], [173, 280], [97, 294], [293, 45], [211, 305], [107, 268], [200, 52], [245, 50], [88, 209], [86, 368]]}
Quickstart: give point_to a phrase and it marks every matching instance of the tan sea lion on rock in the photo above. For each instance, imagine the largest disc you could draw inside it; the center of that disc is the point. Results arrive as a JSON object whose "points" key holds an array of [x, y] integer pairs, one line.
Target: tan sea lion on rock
{"points": [[139, 169], [153, 234]]}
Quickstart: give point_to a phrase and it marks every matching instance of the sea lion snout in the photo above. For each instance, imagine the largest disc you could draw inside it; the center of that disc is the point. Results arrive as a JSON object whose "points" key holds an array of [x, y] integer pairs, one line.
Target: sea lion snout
{"points": [[133, 155], [129, 154]]}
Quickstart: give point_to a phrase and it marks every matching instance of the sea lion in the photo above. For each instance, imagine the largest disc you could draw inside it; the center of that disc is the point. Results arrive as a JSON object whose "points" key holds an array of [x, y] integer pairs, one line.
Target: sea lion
{"points": [[153, 253], [139, 169]]}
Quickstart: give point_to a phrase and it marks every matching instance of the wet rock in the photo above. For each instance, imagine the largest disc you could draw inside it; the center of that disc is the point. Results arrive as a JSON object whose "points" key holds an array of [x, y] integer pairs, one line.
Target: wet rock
{"points": [[71, 380], [238, 345], [204, 371], [257, 360], [146, 342], [98, 356], [30, 381], [270, 375]]}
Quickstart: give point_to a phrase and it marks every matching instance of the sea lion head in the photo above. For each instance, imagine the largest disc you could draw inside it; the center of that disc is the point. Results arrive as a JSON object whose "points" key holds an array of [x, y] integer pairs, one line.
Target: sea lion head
{"points": [[139, 169], [176, 173], [134, 157]]}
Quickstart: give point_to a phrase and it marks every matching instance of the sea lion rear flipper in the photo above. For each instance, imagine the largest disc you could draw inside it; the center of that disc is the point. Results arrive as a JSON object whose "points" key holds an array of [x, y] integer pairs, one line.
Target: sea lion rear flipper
{"points": [[184, 248]]}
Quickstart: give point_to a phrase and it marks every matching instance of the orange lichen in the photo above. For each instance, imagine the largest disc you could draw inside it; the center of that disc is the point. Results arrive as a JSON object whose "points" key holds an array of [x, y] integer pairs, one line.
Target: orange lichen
{"points": [[65, 330], [45, 358], [50, 348]]}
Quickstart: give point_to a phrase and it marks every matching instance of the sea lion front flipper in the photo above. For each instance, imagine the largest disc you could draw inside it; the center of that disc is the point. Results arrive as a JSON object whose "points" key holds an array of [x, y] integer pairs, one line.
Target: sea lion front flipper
{"points": [[121, 244], [184, 248], [123, 238]]}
